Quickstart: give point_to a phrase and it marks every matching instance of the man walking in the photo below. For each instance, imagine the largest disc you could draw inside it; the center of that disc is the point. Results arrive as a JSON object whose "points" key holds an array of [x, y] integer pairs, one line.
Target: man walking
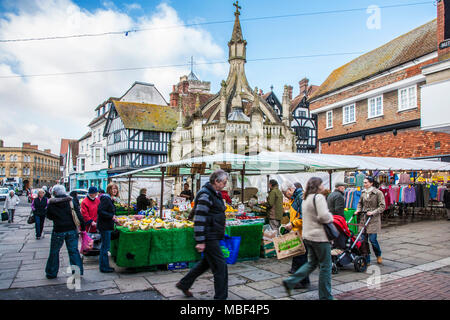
{"points": [[275, 205], [209, 229], [335, 201]]}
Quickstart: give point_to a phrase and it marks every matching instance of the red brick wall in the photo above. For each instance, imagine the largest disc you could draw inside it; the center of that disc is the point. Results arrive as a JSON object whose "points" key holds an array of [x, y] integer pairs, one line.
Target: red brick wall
{"points": [[443, 54], [407, 143], [391, 115]]}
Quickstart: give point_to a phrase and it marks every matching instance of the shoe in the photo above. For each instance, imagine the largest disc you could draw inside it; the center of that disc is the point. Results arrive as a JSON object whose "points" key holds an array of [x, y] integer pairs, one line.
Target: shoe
{"points": [[291, 271], [187, 293], [50, 277], [379, 260], [110, 270], [286, 287], [38, 238], [302, 286]]}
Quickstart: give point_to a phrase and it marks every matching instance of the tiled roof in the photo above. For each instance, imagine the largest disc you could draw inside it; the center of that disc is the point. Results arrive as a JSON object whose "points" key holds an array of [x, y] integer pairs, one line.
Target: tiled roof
{"points": [[412, 45], [65, 145], [87, 135], [151, 117], [99, 118]]}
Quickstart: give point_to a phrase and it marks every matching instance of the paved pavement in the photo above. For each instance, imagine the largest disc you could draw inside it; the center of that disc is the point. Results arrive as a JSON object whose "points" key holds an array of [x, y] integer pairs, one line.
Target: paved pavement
{"points": [[416, 266]]}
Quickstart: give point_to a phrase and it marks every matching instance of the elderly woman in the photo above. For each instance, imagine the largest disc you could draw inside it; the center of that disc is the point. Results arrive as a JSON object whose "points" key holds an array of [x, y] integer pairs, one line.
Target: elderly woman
{"points": [[105, 224], [295, 195], [39, 208], [59, 210], [11, 203], [373, 204]]}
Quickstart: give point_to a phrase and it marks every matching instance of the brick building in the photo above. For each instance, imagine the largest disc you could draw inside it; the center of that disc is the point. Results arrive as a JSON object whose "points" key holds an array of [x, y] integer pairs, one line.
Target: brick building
{"points": [[28, 165], [372, 105]]}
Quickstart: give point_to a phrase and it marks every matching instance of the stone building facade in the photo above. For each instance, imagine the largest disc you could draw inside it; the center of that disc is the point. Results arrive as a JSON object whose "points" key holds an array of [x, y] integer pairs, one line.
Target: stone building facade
{"points": [[29, 165], [235, 120]]}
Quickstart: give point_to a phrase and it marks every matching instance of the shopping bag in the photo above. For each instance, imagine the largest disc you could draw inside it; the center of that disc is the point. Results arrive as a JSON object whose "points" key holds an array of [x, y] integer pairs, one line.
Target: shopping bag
{"points": [[31, 219], [86, 242], [289, 245], [5, 216]]}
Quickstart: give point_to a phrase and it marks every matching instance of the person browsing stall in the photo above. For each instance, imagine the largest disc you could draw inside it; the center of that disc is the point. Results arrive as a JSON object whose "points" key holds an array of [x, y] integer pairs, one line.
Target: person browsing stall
{"points": [[187, 193], [275, 205], [335, 201], [142, 202]]}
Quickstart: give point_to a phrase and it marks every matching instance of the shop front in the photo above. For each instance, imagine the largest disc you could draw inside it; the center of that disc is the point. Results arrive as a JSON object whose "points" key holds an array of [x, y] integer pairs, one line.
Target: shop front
{"points": [[97, 179]]}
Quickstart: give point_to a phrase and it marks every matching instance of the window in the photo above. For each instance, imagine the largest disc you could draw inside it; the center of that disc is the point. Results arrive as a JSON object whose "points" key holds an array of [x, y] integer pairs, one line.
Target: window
{"points": [[99, 135], [82, 164], [407, 98], [104, 154], [151, 136], [329, 119], [375, 107], [348, 113], [2, 171], [123, 160], [117, 137], [97, 155], [149, 160]]}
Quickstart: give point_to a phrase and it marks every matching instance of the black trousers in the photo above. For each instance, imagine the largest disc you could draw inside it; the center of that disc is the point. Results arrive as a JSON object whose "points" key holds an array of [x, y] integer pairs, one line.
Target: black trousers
{"points": [[212, 258], [297, 262]]}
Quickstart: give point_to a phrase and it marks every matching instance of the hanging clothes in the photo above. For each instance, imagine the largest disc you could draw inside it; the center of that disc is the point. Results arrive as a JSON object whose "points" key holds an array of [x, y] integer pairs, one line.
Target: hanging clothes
{"points": [[394, 193], [420, 202], [404, 178], [360, 179], [351, 197], [409, 194], [387, 197], [433, 191]]}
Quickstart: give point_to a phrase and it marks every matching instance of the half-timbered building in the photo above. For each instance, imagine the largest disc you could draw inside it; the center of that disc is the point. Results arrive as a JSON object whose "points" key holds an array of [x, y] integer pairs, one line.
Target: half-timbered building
{"points": [[138, 135]]}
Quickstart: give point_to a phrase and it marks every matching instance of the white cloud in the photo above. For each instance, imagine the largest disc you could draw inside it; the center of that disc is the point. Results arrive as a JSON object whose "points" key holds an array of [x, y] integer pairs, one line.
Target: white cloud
{"points": [[62, 106], [133, 6]]}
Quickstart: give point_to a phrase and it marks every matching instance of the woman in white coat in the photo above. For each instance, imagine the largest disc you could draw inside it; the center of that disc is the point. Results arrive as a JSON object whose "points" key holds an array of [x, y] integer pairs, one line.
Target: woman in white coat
{"points": [[11, 202]]}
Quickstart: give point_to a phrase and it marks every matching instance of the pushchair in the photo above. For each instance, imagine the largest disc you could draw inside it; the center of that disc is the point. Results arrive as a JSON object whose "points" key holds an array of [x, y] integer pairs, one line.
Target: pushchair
{"points": [[95, 250], [348, 248]]}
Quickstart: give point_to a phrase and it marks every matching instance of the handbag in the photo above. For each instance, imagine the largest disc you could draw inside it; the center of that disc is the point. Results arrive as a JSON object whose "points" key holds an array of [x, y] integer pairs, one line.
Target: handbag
{"points": [[74, 216], [330, 228], [30, 219], [5, 216]]}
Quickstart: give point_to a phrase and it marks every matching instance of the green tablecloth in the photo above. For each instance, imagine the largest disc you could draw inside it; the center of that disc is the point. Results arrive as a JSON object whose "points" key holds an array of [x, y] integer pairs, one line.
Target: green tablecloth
{"points": [[155, 247]]}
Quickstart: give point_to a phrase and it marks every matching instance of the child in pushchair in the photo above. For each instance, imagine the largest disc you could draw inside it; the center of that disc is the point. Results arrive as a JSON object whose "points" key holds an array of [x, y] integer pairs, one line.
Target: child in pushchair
{"points": [[348, 248]]}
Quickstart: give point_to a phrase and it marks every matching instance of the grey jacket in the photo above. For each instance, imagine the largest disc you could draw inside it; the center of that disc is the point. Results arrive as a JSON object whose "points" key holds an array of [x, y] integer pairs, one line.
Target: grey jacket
{"points": [[313, 219], [336, 203]]}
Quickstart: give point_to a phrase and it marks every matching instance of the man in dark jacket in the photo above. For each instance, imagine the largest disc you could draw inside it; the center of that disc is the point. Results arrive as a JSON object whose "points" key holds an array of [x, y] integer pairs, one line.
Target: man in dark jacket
{"points": [[142, 202], [59, 210], [209, 229], [335, 201], [275, 205]]}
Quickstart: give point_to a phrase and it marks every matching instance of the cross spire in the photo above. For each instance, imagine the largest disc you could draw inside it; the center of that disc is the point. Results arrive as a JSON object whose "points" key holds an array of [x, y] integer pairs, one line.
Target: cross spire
{"points": [[237, 8]]}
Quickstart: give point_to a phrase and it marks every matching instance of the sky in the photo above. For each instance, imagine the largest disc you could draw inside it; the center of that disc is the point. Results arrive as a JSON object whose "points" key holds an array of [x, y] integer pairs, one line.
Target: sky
{"points": [[44, 109]]}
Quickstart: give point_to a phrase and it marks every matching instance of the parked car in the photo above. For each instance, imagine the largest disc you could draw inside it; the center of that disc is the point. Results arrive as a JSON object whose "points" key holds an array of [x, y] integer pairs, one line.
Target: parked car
{"points": [[3, 193], [82, 193]]}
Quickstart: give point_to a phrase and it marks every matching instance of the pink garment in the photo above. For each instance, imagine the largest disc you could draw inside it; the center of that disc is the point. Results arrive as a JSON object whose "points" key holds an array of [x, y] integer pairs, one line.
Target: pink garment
{"points": [[404, 179], [393, 193]]}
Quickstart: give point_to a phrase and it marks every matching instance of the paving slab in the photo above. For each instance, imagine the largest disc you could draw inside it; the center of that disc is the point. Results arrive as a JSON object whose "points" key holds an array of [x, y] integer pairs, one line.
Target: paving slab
{"points": [[259, 275], [100, 285], [167, 289], [265, 284], [248, 293], [276, 292], [163, 278], [133, 284], [5, 284]]}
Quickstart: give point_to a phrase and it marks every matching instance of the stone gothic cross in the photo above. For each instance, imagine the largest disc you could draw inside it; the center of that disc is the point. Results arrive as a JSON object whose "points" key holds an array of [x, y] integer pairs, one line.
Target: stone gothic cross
{"points": [[237, 7]]}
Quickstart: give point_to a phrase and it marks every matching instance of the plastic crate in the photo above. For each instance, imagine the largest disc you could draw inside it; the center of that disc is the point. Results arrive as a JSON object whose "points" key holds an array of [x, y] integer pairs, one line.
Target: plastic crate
{"points": [[177, 266]]}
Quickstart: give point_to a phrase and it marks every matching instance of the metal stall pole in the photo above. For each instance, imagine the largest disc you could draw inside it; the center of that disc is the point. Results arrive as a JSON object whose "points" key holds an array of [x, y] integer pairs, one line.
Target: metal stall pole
{"points": [[268, 179], [242, 182], [163, 169], [129, 192], [330, 173]]}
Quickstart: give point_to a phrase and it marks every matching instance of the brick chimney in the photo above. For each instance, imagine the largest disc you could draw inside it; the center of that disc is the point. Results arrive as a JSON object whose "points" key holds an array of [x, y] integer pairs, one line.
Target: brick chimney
{"points": [[290, 88], [174, 96], [443, 29], [34, 146], [47, 151], [26, 145], [303, 85]]}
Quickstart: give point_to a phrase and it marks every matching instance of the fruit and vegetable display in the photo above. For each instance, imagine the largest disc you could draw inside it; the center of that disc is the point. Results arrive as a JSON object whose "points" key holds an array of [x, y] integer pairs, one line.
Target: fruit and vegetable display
{"points": [[141, 222]]}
